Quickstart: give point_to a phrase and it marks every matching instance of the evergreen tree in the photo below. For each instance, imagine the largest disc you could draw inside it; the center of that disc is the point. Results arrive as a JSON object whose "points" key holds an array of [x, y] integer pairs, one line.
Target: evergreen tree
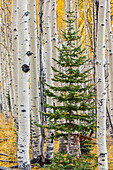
{"points": [[77, 98]]}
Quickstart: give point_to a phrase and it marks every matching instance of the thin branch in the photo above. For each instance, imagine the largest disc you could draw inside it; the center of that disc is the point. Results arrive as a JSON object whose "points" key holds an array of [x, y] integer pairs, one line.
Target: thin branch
{"points": [[4, 47], [109, 118], [8, 161], [14, 166], [4, 154]]}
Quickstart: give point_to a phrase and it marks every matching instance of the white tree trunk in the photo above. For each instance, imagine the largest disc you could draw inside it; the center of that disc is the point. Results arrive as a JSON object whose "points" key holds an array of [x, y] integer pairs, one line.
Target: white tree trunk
{"points": [[54, 37], [9, 60], [76, 20], [15, 55], [101, 90], [110, 61], [34, 74], [23, 89], [48, 71], [3, 59]]}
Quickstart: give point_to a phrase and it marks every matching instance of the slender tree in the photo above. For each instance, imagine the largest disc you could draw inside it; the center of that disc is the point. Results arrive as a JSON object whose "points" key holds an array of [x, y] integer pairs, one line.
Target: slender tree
{"points": [[15, 56], [110, 61], [101, 89], [3, 51], [48, 71], [42, 76], [23, 91], [34, 76]]}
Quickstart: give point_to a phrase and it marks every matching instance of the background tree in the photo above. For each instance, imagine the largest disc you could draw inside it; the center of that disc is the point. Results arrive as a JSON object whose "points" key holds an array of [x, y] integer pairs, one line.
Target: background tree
{"points": [[101, 89], [34, 80], [48, 71], [23, 91]]}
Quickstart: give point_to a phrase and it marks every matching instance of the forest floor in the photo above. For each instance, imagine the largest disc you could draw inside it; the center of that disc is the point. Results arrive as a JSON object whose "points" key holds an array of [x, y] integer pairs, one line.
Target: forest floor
{"points": [[8, 146]]}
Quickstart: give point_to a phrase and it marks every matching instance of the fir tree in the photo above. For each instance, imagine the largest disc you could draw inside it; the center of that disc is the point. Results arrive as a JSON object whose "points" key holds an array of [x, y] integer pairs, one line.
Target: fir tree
{"points": [[76, 95]]}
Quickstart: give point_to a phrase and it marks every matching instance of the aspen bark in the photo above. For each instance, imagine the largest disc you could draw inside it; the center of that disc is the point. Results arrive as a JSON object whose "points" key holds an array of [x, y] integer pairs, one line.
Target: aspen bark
{"points": [[110, 61], [101, 90], [42, 97], [34, 78], [76, 19], [15, 55], [3, 59], [54, 38], [9, 59], [48, 71], [23, 91]]}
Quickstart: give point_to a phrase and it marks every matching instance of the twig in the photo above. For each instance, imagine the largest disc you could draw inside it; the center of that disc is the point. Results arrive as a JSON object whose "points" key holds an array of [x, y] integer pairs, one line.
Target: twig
{"points": [[4, 154], [14, 166], [109, 118], [4, 47], [8, 161]]}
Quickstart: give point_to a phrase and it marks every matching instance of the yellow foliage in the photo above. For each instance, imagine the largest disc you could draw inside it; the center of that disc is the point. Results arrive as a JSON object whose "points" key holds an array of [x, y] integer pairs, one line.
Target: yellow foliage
{"points": [[59, 10]]}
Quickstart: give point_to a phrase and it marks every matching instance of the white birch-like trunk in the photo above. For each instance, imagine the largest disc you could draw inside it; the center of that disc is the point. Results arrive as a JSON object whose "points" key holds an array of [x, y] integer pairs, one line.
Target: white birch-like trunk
{"points": [[15, 56], [76, 20], [15, 63], [110, 61], [34, 76], [107, 86], [48, 71], [23, 89], [54, 37], [3, 52], [101, 89], [9, 61]]}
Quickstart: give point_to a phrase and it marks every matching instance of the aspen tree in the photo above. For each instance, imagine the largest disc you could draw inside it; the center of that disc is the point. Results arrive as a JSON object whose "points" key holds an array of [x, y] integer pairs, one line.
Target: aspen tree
{"points": [[62, 147], [54, 37], [23, 91], [68, 5], [108, 118], [41, 65], [5, 106], [101, 90], [1, 63], [48, 71], [4, 95], [77, 145], [15, 55], [62, 142], [94, 46], [15, 63], [110, 60], [9, 57], [76, 19], [34, 74]]}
